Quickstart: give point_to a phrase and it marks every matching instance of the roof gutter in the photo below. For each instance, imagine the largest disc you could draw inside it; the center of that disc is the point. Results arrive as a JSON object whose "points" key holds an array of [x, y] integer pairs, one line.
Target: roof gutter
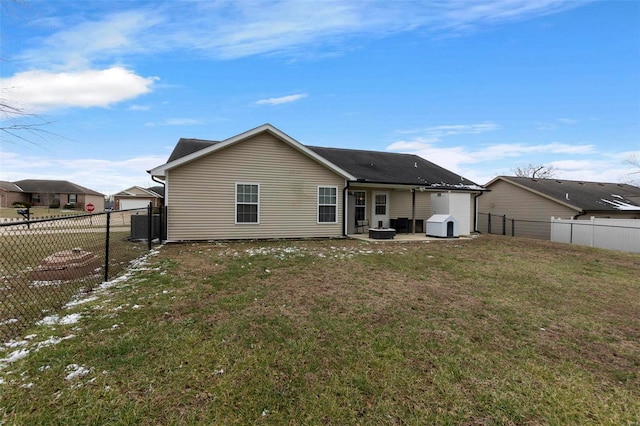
{"points": [[424, 186]]}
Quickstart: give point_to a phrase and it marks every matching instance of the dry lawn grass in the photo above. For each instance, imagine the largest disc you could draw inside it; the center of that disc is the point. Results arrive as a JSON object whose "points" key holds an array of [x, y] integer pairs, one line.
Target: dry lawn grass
{"points": [[485, 331]]}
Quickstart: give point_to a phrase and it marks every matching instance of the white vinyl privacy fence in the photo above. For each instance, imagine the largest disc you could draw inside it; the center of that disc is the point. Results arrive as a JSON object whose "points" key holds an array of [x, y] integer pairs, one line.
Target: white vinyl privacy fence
{"points": [[613, 234]]}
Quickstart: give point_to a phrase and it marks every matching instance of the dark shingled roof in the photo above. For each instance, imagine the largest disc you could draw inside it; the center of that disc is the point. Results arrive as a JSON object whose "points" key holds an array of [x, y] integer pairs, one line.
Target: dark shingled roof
{"points": [[367, 166], [187, 146], [588, 196], [36, 186], [157, 189], [394, 168], [9, 186]]}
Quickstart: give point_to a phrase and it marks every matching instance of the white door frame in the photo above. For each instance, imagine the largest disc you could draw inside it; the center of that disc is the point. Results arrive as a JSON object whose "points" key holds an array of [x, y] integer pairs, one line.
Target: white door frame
{"points": [[376, 218]]}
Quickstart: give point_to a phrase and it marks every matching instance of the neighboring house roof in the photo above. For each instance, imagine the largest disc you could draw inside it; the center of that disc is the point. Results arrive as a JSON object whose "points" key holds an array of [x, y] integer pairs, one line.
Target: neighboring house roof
{"points": [[356, 165], [157, 190], [53, 186], [580, 195], [154, 191], [9, 186]]}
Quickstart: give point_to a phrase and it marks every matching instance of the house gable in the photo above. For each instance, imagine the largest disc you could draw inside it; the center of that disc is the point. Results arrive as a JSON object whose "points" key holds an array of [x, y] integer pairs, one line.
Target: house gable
{"points": [[201, 192], [211, 147], [581, 196]]}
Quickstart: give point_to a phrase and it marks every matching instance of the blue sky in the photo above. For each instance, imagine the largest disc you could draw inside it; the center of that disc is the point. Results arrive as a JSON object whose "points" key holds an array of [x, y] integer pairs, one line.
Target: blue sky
{"points": [[477, 87]]}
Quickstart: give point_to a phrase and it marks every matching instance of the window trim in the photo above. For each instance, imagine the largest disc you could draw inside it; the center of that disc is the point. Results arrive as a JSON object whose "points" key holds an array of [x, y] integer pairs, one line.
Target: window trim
{"points": [[235, 203], [318, 205], [363, 206]]}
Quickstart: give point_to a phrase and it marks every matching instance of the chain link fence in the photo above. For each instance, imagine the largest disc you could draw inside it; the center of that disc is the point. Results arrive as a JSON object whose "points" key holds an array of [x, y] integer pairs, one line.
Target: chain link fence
{"points": [[503, 225], [44, 263]]}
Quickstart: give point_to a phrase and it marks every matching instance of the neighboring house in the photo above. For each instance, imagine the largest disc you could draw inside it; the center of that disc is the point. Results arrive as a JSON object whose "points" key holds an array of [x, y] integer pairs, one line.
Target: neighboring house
{"points": [[532, 202], [264, 184], [49, 192], [137, 197], [10, 193]]}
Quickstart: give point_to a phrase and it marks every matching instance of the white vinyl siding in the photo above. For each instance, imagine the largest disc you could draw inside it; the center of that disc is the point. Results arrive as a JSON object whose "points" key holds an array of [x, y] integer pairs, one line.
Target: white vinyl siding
{"points": [[327, 204], [201, 195]]}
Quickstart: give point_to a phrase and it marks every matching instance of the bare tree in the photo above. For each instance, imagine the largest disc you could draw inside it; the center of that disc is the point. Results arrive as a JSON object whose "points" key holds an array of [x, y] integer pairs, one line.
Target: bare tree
{"points": [[16, 122], [634, 161], [539, 171]]}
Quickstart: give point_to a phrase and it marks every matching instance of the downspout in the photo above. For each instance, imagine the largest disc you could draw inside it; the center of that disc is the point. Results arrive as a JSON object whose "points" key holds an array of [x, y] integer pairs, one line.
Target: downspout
{"points": [[164, 221], [345, 197], [153, 178], [582, 213], [475, 212]]}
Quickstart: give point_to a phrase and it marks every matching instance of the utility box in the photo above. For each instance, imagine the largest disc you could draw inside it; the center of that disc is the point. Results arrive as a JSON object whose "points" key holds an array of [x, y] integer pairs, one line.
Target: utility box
{"points": [[443, 226], [140, 227]]}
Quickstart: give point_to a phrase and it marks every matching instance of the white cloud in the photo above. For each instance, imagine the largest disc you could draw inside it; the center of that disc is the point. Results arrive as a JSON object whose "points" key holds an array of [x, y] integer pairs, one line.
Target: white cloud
{"points": [[41, 90], [105, 176], [175, 122], [281, 99], [227, 30], [139, 108], [82, 43], [481, 164], [454, 129]]}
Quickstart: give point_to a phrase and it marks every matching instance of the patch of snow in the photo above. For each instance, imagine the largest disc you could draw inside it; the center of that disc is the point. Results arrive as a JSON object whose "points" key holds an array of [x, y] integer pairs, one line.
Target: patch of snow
{"points": [[80, 302], [36, 284], [13, 357], [15, 343], [50, 320], [70, 319], [55, 319], [9, 321], [620, 205], [52, 341], [76, 371]]}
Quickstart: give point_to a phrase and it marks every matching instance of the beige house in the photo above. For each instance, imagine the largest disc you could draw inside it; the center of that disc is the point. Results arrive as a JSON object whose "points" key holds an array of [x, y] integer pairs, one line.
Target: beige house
{"points": [[264, 184], [137, 197], [532, 203], [45, 193]]}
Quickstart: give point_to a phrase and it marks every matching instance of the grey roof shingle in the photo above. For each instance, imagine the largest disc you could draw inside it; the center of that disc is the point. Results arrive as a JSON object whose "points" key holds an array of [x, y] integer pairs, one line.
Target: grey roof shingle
{"points": [[367, 166], [588, 196], [36, 186], [393, 168], [157, 190], [186, 146], [9, 186]]}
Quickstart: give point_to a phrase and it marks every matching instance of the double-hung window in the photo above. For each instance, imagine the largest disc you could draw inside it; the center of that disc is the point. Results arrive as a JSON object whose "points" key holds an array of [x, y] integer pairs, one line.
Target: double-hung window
{"points": [[327, 204], [247, 202]]}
